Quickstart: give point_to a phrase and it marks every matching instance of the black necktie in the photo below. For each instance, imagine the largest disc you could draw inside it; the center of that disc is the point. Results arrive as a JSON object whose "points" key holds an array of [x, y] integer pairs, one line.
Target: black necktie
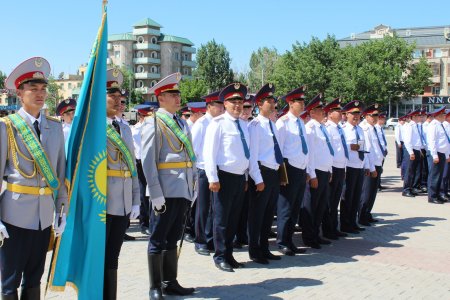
{"points": [[36, 128], [179, 123], [116, 126]]}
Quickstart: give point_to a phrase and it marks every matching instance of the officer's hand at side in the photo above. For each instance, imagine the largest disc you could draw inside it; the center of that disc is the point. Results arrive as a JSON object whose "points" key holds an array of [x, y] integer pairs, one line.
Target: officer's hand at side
{"points": [[260, 187], [214, 187], [135, 212], [354, 147], [436, 160], [366, 172], [59, 228], [448, 159], [314, 183], [307, 178], [3, 232], [374, 174], [412, 157]]}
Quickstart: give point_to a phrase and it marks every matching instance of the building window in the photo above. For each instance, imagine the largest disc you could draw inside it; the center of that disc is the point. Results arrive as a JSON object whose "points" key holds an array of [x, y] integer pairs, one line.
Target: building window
{"points": [[153, 98], [140, 54], [437, 53], [139, 84], [417, 53], [154, 54], [436, 69], [178, 69], [177, 56], [152, 84], [185, 71], [154, 40], [79, 84], [435, 90], [154, 69], [140, 69], [69, 85], [117, 54], [61, 85], [140, 40]]}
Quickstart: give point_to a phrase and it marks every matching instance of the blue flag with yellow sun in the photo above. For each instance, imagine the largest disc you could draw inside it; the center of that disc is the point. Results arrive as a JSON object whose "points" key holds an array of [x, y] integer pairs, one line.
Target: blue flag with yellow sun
{"points": [[80, 254]]}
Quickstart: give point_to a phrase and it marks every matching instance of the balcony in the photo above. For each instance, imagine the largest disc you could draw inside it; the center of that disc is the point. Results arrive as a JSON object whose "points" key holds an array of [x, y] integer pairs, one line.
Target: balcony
{"points": [[189, 63], [147, 75], [143, 90], [188, 49], [147, 60], [144, 31], [146, 46]]}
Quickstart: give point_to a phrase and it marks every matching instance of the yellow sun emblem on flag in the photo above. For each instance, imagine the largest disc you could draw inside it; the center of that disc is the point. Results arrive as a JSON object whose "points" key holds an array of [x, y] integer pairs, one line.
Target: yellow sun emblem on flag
{"points": [[97, 177]]}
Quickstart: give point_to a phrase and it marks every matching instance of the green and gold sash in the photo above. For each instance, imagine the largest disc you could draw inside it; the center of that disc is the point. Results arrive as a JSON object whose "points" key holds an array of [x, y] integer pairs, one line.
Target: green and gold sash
{"points": [[116, 139], [178, 133], [36, 151]]}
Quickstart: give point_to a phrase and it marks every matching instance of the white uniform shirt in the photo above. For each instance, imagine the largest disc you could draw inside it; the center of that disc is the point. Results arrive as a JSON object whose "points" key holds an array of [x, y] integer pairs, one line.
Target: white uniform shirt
{"points": [[437, 140], [411, 137], [223, 147], [198, 132], [136, 133], [381, 136], [320, 157], [190, 123], [398, 133], [375, 154], [350, 138], [66, 130], [424, 130], [339, 159], [262, 146], [290, 141]]}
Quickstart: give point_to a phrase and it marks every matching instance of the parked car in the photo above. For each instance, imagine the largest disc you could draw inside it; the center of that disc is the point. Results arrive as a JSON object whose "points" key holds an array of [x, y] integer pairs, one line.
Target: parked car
{"points": [[391, 123]]}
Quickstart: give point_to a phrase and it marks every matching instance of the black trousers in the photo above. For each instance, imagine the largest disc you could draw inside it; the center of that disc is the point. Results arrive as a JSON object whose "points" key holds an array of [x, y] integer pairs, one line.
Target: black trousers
{"points": [[166, 228], [22, 258], [314, 207], [203, 214], [115, 230], [241, 232], [330, 217], [261, 210], [289, 203], [436, 174], [349, 205], [445, 179], [369, 194], [144, 209], [425, 168], [405, 162], [227, 205], [399, 154], [410, 175]]}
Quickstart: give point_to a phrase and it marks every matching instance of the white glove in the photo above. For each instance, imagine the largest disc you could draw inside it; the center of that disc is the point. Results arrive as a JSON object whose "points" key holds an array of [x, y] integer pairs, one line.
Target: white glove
{"points": [[135, 212], [158, 203], [3, 232], [59, 229]]}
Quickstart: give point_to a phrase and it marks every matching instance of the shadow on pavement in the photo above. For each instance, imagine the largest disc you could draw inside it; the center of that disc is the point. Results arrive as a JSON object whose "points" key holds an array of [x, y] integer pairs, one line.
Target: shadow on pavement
{"points": [[261, 290]]}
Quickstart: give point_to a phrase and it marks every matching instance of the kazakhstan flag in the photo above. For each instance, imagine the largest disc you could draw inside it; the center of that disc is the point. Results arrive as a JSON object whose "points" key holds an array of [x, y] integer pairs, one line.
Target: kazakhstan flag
{"points": [[80, 254]]}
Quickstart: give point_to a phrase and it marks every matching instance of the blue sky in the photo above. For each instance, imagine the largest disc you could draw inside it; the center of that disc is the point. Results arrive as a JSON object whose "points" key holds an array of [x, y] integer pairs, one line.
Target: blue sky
{"points": [[63, 31]]}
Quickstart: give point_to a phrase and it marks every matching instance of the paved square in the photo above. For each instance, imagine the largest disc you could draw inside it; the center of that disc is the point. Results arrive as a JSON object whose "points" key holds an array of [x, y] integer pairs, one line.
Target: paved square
{"points": [[404, 256]]}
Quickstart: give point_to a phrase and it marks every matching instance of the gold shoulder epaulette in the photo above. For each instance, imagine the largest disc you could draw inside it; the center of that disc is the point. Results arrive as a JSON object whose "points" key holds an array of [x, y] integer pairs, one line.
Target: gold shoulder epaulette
{"points": [[53, 119]]}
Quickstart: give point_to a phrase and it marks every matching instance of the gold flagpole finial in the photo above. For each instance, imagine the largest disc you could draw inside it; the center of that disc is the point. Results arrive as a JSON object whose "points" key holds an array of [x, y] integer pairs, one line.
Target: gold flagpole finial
{"points": [[104, 3]]}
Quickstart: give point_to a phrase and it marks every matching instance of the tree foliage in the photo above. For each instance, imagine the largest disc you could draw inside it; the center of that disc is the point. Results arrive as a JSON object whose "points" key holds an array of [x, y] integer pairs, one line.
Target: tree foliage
{"points": [[374, 71], [213, 65], [262, 67], [2, 80], [53, 96], [192, 90]]}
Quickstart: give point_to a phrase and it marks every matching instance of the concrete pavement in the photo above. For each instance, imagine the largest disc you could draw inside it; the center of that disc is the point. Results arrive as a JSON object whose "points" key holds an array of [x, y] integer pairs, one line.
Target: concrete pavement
{"points": [[404, 256]]}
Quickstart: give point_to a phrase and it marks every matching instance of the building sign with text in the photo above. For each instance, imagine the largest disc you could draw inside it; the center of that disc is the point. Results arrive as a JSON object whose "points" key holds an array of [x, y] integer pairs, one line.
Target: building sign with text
{"points": [[436, 100]]}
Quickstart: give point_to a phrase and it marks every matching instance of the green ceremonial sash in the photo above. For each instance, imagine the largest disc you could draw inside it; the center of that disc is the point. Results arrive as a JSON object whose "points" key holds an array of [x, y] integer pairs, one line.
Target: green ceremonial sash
{"points": [[35, 148], [178, 133], [116, 139]]}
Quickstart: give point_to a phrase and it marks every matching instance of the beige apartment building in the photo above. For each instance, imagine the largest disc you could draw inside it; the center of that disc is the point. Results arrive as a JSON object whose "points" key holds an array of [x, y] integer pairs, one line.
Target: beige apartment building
{"points": [[433, 43], [150, 54]]}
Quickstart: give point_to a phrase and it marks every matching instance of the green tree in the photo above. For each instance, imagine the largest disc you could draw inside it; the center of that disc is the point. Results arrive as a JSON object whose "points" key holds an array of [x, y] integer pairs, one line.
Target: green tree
{"points": [[192, 90], [262, 67], [213, 65], [241, 77], [53, 96], [379, 71], [134, 96], [2, 80]]}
